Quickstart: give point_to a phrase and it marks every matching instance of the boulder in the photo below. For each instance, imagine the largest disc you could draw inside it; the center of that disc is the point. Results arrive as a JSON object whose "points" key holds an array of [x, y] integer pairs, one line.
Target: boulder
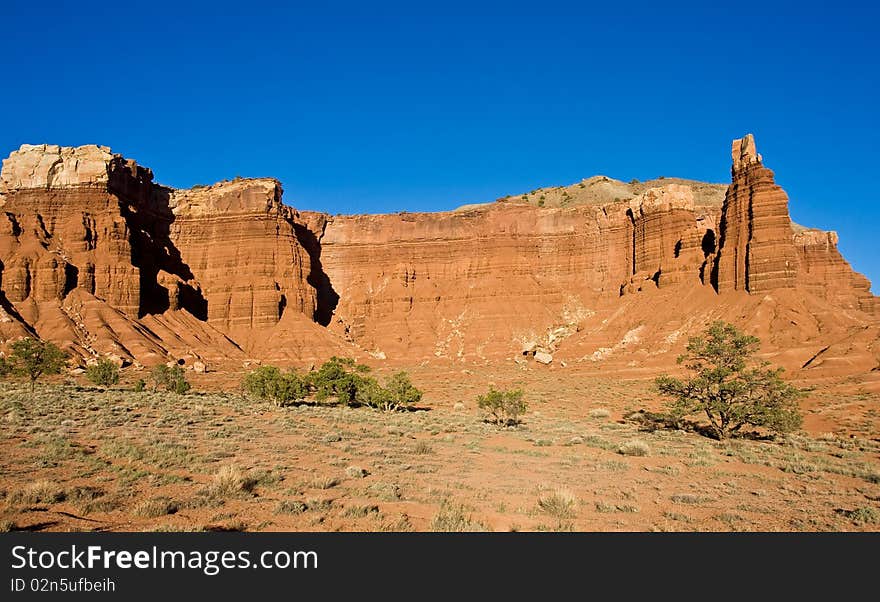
{"points": [[543, 358]]}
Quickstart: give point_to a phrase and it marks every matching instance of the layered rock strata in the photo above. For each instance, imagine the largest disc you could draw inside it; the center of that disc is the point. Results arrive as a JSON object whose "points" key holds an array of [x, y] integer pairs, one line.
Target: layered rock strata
{"points": [[95, 255], [756, 250]]}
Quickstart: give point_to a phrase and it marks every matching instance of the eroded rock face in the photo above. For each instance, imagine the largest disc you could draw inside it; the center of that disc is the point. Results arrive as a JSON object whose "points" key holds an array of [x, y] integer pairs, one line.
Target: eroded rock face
{"points": [[97, 257], [447, 285], [241, 246], [73, 247], [824, 272], [668, 238]]}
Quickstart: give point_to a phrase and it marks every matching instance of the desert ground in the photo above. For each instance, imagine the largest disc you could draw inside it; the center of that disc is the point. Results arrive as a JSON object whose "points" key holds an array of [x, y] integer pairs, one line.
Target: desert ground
{"points": [[81, 458]]}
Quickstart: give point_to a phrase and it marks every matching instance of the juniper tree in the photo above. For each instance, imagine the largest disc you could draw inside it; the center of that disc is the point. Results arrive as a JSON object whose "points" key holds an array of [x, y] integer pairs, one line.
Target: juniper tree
{"points": [[730, 386]]}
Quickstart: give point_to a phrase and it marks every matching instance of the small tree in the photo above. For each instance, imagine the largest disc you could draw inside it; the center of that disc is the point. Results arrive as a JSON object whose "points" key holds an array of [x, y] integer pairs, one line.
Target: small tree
{"points": [[177, 382], [401, 391], [172, 378], [33, 358], [730, 386], [104, 373], [159, 376], [268, 382], [372, 394], [504, 407], [397, 392], [261, 381], [340, 378]]}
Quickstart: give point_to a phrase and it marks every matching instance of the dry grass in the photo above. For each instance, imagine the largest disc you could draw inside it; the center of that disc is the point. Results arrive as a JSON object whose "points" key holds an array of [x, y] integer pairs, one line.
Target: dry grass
{"points": [[634, 448], [155, 507], [127, 460], [325, 482], [39, 492], [560, 503], [454, 518]]}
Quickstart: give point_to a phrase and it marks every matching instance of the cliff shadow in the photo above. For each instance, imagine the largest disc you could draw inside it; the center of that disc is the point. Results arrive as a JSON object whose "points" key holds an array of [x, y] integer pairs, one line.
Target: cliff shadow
{"points": [[9, 308], [708, 269], [152, 250], [327, 297]]}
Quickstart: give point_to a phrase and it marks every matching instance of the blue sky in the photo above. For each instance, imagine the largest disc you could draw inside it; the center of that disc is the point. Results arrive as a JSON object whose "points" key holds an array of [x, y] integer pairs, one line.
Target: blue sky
{"points": [[376, 107]]}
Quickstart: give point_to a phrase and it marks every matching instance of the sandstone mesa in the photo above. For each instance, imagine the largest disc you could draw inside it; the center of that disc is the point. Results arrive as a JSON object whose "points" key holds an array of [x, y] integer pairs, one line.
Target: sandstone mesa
{"points": [[98, 258]]}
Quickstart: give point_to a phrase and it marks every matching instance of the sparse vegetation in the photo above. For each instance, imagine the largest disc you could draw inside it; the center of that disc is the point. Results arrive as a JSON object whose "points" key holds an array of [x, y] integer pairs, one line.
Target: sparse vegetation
{"points": [[360, 511], [503, 407], [103, 373], [118, 457], [291, 507], [689, 498], [607, 508], [454, 518], [356, 472], [39, 492], [634, 448], [325, 482], [230, 482], [155, 507], [730, 387], [865, 515]]}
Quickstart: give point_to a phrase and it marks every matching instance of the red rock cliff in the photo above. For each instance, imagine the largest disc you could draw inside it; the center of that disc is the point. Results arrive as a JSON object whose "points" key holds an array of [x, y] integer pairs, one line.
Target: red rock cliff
{"points": [[96, 256], [240, 244]]}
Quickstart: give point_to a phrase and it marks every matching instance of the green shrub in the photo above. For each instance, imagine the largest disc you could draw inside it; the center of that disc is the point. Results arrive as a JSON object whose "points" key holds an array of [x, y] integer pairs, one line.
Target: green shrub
{"points": [[104, 373], [730, 387], [140, 385], [178, 383], [504, 407], [402, 391], [397, 392], [32, 358], [340, 378], [172, 378], [159, 376], [269, 382]]}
